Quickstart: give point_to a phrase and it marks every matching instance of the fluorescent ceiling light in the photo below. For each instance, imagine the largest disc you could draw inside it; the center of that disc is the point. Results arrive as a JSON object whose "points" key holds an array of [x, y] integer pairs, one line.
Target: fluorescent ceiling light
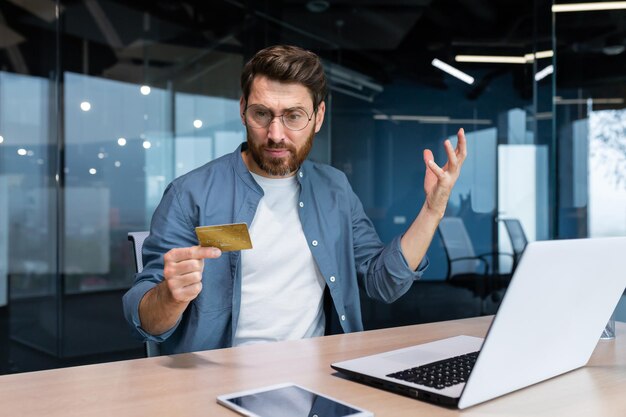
{"points": [[461, 122], [491, 59], [564, 101], [588, 7], [503, 59], [538, 55], [415, 118], [453, 71], [543, 116], [540, 75], [430, 119]]}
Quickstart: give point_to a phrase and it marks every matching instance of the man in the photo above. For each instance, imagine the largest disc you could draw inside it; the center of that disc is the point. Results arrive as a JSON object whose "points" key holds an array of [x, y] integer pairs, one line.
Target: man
{"points": [[313, 244]]}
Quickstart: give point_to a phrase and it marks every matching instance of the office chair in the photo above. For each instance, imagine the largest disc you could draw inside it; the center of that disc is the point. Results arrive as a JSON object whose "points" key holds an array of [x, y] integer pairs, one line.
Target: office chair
{"points": [[137, 238], [518, 239], [466, 268]]}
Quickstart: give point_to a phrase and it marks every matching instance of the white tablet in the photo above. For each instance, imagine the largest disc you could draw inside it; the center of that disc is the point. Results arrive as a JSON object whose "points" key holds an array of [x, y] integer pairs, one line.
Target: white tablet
{"points": [[288, 400]]}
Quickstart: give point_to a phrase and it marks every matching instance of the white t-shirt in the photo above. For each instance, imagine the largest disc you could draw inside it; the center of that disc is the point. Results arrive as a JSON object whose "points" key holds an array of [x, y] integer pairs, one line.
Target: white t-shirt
{"points": [[282, 290]]}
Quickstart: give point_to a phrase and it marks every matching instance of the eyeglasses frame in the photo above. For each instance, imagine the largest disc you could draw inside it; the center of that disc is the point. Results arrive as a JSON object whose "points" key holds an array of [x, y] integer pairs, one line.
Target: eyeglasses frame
{"points": [[279, 116]]}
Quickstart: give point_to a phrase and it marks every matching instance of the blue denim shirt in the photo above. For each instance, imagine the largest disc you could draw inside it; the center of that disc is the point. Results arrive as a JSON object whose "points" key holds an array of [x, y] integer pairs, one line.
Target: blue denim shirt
{"points": [[341, 237]]}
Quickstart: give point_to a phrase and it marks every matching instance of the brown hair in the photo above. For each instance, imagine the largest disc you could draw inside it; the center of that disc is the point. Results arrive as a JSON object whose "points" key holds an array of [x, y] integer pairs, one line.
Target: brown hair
{"points": [[289, 64]]}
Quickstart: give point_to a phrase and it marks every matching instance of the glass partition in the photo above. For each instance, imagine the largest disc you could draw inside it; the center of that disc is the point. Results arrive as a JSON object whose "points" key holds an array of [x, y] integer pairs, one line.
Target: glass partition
{"points": [[103, 103], [589, 107], [589, 102]]}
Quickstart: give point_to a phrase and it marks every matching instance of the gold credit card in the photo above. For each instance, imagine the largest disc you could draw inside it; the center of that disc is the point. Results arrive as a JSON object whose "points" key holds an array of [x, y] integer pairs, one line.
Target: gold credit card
{"points": [[226, 237]]}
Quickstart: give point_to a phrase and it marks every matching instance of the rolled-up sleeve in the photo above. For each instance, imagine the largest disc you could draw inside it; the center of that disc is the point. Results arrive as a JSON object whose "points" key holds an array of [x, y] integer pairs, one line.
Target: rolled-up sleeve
{"points": [[169, 229], [385, 273], [131, 301]]}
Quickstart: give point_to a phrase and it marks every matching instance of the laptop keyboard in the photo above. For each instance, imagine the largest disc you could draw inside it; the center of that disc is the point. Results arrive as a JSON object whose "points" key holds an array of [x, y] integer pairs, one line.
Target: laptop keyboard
{"points": [[440, 374]]}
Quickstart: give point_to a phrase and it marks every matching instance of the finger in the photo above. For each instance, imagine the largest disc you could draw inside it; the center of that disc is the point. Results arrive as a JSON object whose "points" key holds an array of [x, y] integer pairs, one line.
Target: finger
{"points": [[183, 273], [440, 173], [188, 292], [428, 156], [193, 252], [461, 146], [452, 157], [206, 252], [175, 282], [184, 267]]}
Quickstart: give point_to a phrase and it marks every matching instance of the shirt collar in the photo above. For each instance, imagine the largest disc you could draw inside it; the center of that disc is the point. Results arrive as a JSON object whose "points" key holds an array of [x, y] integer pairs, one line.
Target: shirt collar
{"points": [[242, 170]]}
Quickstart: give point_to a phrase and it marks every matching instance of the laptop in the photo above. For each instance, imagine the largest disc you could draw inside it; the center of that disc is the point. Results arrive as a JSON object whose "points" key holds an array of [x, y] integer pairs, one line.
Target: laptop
{"points": [[557, 304]]}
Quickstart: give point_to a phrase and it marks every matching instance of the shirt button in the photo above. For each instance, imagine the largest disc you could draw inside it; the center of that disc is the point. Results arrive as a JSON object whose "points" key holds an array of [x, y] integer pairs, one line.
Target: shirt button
{"points": [[314, 243], [301, 174], [332, 279], [301, 204], [343, 317]]}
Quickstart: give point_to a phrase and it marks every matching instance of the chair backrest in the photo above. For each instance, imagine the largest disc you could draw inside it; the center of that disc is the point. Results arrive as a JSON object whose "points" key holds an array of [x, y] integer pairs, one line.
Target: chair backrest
{"points": [[137, 239], [457, 244], [518, 237]]}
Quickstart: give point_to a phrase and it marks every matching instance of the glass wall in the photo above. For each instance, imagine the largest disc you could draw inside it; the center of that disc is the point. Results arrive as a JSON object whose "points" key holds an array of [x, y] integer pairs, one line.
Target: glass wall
{"points": [[590, 125], [589, 104], [104, 102]]}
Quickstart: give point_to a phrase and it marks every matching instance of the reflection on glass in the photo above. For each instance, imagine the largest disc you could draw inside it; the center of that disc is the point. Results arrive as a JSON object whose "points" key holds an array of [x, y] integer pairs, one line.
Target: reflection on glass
{"points": [[28, 223], [120, 156], [206, 128], [106, 165]]}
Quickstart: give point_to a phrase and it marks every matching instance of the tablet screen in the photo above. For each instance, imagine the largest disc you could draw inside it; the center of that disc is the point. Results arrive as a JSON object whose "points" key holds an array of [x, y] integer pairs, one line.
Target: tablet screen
{"points": [[291, 401]]}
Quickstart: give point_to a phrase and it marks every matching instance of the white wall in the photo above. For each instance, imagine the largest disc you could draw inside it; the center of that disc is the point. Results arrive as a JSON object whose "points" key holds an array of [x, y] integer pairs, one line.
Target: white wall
{"points": [[522, 189]]}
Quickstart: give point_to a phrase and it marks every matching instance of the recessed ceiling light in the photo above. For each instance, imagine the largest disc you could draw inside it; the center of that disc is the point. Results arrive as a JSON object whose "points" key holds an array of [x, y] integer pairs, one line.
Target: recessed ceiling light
{"points": [[85, 106], [145, 90], [121, 141], [197, 123]]}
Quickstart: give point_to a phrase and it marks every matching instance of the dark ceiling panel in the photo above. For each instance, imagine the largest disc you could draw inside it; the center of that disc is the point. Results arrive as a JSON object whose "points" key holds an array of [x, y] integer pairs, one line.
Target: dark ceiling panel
{"points": [[381, 39]]}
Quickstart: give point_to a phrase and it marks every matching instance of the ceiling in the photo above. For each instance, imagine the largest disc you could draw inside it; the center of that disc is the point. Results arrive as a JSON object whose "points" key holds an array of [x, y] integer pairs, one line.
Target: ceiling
{"points": [[187, 41]]}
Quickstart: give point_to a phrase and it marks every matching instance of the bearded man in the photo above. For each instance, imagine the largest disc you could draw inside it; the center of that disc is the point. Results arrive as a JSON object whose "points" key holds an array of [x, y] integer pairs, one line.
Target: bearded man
{"points": [[313, 245]]}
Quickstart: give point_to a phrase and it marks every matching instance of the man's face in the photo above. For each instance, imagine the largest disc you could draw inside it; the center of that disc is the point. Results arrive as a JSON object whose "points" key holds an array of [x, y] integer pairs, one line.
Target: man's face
{"points": [[275, 150]]}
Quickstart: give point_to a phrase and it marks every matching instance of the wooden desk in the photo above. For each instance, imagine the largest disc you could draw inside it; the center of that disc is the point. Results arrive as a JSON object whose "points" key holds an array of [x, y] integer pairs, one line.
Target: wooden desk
{"points": [[187, 385]]}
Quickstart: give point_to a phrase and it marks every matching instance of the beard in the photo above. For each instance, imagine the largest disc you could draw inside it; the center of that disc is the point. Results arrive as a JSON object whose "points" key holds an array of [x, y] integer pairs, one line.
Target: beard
{"points": [[280, 167]]}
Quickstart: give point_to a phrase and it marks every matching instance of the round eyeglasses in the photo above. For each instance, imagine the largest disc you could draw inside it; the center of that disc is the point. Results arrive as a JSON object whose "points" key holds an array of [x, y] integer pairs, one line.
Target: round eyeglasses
{"points": [[260, 117]]}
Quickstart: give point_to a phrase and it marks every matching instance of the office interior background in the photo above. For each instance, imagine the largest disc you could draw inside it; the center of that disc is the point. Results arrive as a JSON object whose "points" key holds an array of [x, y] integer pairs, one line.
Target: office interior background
{"points": [[104, 102]]}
